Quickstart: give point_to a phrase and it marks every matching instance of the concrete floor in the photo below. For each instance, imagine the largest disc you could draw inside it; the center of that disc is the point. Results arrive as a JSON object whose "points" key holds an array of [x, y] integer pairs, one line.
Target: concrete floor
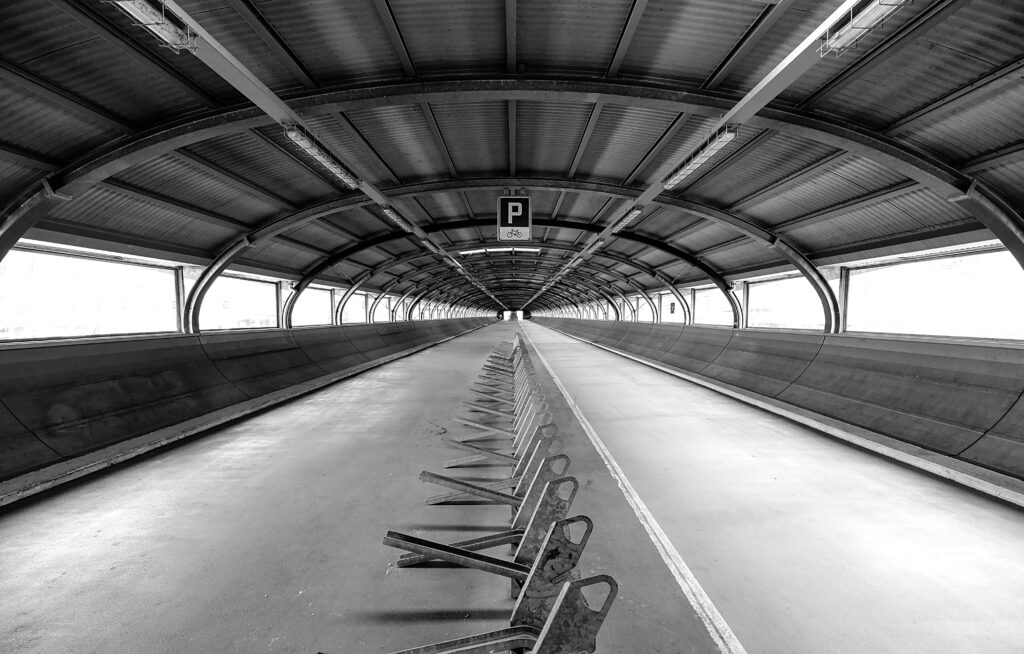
{"points": [[804, 544], [265, 536]]}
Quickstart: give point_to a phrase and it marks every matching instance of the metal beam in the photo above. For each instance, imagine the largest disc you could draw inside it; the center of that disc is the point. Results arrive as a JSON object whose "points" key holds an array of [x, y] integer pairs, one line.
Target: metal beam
{"points": [[387, 18], [994, 82], [370, 150], [85, 14], [636, 13], [511, 104], [890, 46], [60, 97], [172, 204], [33, 202], [847, 206], [231, 179], [1009, 154], [316, 173], [435, 129], [258, 24], [655, 150], [723, 163], [761, 25], [22, 157], [789, 181], [511, 37], [595, 113]]}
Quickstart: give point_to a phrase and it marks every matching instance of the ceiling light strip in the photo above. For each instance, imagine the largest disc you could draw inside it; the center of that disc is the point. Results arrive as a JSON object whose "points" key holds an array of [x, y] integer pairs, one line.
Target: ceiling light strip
{"points": [[710, 149]]}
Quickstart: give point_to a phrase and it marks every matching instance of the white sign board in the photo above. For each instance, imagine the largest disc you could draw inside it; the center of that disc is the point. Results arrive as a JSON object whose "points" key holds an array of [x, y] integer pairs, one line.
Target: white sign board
{"points": [[515, 218]]}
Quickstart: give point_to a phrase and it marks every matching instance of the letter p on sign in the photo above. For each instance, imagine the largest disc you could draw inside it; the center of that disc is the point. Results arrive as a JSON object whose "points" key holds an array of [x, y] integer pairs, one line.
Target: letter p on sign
{"points": [[515, 218]]}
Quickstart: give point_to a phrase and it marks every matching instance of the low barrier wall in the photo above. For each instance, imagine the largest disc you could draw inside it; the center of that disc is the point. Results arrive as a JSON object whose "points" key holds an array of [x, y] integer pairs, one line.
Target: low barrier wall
{"points": [[959, 398], [59, 400]]}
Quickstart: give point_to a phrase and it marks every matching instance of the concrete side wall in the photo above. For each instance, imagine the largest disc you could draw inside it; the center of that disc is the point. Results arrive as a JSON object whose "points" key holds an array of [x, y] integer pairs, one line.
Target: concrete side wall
{"points": [[63, 399], [961, 399]]}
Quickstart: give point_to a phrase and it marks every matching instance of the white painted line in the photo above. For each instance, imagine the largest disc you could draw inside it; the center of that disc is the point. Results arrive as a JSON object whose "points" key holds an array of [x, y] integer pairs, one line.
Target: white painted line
{"points": [[988, 482], [720, 632]]}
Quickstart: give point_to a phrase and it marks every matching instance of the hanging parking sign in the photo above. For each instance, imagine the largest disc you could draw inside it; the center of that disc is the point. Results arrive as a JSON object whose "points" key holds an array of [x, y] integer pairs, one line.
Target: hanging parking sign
{"points": [[515, 218]]}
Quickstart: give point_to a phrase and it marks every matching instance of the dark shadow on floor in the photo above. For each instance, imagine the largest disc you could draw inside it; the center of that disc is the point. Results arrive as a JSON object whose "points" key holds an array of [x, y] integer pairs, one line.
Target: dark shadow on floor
{"points": [[430, 615]]}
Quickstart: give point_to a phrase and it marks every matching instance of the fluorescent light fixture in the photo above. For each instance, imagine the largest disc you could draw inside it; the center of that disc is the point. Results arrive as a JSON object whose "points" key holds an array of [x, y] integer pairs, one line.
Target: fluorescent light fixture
{"points": [[156, 21], [588, 251], [397, 219], [871, 17], [513, 250], [299, 136], [427, 243], [628, 219], [709, 150]]}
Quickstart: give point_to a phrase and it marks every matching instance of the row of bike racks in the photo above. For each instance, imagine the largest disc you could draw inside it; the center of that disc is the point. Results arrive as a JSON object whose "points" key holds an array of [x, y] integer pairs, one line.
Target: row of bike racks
{"points": [[552, 614]]}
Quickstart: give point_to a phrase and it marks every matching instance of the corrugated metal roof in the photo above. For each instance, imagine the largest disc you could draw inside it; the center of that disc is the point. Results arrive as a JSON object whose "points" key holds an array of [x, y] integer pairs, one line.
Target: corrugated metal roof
{"points": [[769, 161], [1009, 178], [111, 210], [401, 137], [253, 160], [989, 122], [38, 126], [799, 21], [334, 131], [285, 255], [973, 41], [694, 131], [339, 42], [686, 40], [476, 134], [846, 179], [577, 35], [621, 138], [452, 37], [47, 42], [316, 233], [229, 28], [743, 254], [173, 178], [581, 206], [353, 47], [550, 134], [708, 235], [831, 65], [443, 206]]}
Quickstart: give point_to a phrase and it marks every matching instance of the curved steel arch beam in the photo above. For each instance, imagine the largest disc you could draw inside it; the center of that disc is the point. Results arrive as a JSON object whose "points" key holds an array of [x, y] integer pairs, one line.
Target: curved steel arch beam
{"points": [[829, 303], [376, 300], [639, 266], [33, 201], [441, 288], [398, 305], [489, 274], [280, 224], [440, 283], [718, 280], [655, 313], [321, 267], [355, 248], [627, 304], [746, 226], [669, 286]]}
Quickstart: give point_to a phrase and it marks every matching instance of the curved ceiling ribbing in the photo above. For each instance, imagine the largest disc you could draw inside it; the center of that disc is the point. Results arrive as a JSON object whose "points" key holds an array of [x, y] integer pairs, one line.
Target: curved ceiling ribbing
{"points": [[311, 275], [896, 191]]}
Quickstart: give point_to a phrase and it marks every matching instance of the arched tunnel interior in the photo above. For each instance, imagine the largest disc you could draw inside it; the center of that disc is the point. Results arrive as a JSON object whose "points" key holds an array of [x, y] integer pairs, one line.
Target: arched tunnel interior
{"points": [[756, 260]]}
